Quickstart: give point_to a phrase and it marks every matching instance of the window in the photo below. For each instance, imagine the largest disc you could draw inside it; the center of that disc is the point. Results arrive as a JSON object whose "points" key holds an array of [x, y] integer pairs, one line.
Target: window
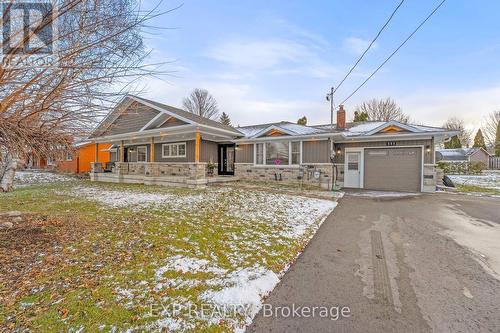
{"points": [[277, 153], [295, 152], [259, 153], [173, 150], [69, 157], [142, 154]]}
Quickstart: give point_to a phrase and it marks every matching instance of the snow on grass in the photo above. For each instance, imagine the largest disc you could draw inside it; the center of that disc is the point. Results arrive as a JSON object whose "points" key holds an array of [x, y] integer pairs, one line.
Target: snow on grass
{"points": [[27, 178], [244, 289], [293, 215], [222, 246], [131, 199], [488, 179]]}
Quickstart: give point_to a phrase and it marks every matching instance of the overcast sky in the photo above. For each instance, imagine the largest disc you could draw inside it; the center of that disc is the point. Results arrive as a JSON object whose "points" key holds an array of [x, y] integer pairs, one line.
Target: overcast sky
{"points": [[268, 61]]}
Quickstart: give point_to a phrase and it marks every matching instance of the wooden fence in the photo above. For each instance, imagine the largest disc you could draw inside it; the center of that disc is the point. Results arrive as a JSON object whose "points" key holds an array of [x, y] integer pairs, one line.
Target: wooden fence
{"points": [[494, 163]]}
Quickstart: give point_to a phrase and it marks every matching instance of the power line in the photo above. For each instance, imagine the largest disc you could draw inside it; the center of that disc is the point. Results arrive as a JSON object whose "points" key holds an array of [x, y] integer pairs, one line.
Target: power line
{"points": [[395, 51], [369, 46]]}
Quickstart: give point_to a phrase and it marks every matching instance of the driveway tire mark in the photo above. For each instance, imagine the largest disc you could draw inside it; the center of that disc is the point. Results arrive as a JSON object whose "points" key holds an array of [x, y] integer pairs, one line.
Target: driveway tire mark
{"points": [[381, 281]]}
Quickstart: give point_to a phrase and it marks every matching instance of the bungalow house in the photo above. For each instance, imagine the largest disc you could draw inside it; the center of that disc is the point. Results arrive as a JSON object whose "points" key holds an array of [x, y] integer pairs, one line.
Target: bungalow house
{"points": [[153, 143], [474, 154]]}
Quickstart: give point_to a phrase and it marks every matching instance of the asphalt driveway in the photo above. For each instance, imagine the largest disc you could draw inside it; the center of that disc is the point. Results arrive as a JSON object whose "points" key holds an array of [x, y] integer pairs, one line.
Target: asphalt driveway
{"points": [[398, 264]]}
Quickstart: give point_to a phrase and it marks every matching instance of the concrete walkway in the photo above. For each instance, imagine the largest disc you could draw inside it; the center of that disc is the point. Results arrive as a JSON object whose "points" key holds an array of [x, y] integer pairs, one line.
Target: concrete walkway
{"points": [[393, 263]]}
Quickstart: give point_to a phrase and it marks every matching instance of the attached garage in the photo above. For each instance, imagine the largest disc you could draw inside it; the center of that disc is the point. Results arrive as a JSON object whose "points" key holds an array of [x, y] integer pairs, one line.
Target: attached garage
{"points": [[393, 169]]}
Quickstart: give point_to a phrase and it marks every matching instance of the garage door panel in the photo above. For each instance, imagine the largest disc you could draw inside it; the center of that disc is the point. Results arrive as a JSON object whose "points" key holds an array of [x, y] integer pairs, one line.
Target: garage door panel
{"points": [[393, 169]]}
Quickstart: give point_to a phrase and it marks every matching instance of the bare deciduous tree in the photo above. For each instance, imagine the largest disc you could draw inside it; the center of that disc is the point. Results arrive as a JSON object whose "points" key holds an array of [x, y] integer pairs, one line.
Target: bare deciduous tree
{"points": [[457, 124], [490, 124], [200, 102], [99, 58], [382, 110]]}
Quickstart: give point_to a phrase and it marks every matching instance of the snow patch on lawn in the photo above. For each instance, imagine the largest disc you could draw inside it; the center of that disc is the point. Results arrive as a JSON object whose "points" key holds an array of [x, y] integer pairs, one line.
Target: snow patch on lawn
{"points": [[27, 178], [243, 289], [292, 215], [488, 179], [186, 264], [262, 218], [131, 199]]}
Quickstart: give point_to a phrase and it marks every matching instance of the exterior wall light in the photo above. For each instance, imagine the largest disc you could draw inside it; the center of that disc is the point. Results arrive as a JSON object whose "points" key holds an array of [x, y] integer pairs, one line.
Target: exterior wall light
{"points": [[428, 149]]}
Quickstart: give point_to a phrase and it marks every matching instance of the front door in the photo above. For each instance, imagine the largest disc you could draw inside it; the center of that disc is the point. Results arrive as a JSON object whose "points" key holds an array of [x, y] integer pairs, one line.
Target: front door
{"points": [[353, 170], [226, 159]]}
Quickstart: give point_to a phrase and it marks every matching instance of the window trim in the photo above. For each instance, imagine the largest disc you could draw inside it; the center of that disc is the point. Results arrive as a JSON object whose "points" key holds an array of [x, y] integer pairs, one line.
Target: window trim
{"points": [[137, 154], [264, 152], [174, 144]]}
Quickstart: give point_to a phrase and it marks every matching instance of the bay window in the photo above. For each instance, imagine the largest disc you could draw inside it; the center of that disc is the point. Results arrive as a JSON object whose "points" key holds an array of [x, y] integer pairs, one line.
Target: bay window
{"points": [[278, 153]]}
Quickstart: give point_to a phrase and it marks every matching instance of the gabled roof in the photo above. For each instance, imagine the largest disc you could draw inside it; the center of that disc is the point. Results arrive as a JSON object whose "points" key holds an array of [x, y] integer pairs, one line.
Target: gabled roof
{"points": [[368, 128], [187, 116], [155, 116], [255, 131]]}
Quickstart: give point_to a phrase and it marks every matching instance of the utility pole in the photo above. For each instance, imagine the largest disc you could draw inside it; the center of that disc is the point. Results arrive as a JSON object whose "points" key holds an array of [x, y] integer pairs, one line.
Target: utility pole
{"points": [[329, 97]]}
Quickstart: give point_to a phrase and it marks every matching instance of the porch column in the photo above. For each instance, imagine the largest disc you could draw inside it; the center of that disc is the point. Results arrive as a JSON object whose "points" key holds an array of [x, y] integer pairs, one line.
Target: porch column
{"points": [[96, 152], [122, 151], [152, 150], [197, 146]]}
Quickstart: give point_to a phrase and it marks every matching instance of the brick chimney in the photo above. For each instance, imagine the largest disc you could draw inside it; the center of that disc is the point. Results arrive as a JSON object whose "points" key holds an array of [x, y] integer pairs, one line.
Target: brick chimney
{"points": [[341, 117]]}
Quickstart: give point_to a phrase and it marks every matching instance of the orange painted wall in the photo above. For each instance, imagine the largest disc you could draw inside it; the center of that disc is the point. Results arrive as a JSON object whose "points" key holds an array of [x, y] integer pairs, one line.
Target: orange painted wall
{"points": [[83, 157]]}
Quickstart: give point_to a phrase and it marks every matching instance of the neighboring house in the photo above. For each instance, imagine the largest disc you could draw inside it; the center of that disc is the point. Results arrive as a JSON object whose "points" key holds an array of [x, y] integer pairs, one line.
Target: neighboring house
{"points": [[474, 154], [80, 160], [35, 162], [153, 143]]}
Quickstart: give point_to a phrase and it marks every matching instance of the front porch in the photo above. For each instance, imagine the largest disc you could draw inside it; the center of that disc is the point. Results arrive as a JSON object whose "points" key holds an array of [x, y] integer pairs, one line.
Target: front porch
{"points": [[186, 174]]}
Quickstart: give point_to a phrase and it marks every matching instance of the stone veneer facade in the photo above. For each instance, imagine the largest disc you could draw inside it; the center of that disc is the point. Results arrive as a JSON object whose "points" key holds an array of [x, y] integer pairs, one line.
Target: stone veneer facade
{"points": [[154, 173], [288, 174]]}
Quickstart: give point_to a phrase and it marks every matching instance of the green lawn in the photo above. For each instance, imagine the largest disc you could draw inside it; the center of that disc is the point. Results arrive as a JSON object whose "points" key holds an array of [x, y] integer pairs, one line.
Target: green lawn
{"points": [[108, 257], [477, 189]]}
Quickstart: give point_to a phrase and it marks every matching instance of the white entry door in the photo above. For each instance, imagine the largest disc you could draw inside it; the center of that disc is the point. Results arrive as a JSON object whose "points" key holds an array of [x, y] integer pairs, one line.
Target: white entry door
{"points": [[352, 170]]}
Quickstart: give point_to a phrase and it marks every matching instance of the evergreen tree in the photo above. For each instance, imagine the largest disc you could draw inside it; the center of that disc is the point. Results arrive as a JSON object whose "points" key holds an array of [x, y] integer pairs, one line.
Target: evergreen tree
{"points": [[224, 119], [497, 141], [479, 140], [360, 116], [302, 121], [453, 143]]}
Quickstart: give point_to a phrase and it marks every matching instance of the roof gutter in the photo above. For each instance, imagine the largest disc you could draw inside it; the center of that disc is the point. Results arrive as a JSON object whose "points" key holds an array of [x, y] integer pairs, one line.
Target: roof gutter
{"points": [[182, 129], [401, 136], [291, 137]]}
